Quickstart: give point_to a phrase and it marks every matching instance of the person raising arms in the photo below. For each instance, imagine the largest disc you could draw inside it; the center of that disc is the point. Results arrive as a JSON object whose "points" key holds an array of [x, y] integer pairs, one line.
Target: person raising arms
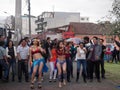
{"points": [[37, 62], [61, 63]]}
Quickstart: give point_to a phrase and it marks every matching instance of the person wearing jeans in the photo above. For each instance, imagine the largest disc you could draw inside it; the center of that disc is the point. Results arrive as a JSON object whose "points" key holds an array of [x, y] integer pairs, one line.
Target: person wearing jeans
{"points": [[0, 71], [81, 60], [11, 55], [3, 62], [68, 61]]}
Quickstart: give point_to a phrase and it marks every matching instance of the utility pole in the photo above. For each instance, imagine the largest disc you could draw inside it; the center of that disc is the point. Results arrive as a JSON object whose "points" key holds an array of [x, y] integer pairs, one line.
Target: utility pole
{"points": [[29, 10], [18, 20]]}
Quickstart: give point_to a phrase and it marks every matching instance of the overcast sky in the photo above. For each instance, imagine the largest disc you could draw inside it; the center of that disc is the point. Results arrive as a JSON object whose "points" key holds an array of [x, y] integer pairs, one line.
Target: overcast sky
{"points": [[94, 9]]}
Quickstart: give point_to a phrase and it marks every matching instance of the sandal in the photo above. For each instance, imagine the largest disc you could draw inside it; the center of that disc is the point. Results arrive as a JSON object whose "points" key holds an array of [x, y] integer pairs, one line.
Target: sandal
{"points": [[32, 86], [39, 85], [60, 85]]}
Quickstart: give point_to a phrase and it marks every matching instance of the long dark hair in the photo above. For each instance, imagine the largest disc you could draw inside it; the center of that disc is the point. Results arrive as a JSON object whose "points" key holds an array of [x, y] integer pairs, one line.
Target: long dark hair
{"points": [[21, 41], [9, 42], [58, 46]]}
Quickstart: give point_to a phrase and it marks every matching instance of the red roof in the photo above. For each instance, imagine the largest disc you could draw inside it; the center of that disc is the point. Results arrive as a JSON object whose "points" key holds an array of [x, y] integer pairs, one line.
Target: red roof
{"points": [[88, 28]]}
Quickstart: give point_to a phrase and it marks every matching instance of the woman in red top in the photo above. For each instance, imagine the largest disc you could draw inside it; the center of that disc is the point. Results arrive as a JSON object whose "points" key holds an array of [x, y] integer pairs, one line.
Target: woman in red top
{"points": [[108, 54], [61, 63], [37, 62], [52, 63]]}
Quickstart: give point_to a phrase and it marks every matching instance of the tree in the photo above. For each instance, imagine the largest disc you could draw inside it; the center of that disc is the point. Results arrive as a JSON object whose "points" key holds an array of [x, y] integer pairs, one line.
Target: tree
{"points": [[116, 15], [116, 9]]}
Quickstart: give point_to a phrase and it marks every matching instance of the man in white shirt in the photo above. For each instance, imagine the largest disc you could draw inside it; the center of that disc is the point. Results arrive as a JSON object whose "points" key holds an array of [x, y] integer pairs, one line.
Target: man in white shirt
{"points": [[23, 57]]}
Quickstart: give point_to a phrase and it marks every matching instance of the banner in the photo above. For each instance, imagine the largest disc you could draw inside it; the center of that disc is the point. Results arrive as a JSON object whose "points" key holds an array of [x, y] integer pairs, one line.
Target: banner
{"points": [[68, 35]]}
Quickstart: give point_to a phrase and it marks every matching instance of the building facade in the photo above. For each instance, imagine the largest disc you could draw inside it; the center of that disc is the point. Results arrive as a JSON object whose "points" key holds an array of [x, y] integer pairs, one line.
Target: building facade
{"points": [[25, 25], [51, 20], [57, 19], [84, 19]]}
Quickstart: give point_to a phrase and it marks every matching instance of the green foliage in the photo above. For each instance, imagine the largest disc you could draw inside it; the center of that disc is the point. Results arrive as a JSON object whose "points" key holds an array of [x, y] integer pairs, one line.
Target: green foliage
{"points": [[116, 15], [116, 9]]}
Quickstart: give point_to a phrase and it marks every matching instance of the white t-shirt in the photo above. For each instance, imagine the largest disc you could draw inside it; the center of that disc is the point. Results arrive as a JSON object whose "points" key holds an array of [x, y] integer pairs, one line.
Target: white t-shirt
{"points": [[23, 51], [80, 53]]}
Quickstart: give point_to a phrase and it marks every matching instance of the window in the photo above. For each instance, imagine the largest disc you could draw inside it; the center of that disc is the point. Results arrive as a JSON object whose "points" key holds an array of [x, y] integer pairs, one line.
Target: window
{"points": [[82, 18]]}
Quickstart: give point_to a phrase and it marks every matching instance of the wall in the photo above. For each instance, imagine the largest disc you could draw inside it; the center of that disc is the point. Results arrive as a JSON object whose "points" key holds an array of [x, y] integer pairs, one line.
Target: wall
{"points": [[61, 19], [25, 25]]}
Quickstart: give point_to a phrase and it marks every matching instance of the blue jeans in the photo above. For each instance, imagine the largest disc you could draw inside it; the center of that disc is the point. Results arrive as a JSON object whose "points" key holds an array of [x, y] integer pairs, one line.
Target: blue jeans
{"points": [[5, 66], [12, 63], [69, 68], [83, 62], [108, 57]]}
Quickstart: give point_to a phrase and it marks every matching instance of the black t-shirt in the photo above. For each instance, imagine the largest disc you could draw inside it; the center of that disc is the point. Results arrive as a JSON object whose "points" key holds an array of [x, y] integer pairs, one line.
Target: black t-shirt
{"points": [[11, 52], [47, 46]]}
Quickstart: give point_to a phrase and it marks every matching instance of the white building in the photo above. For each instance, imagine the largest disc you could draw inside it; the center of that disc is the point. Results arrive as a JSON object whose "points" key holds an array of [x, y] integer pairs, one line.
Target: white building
{"points": [[10, 21], [84, 19], [25, 25], [57, 19]]}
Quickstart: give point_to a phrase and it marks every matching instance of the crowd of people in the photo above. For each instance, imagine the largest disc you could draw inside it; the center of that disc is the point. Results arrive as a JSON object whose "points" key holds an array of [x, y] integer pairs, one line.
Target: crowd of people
{"points": [[60, 55]]}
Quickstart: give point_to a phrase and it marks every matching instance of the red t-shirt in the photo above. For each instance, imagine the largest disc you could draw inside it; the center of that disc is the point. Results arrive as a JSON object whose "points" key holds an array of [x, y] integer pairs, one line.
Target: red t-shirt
{"points": [[54, 55]]}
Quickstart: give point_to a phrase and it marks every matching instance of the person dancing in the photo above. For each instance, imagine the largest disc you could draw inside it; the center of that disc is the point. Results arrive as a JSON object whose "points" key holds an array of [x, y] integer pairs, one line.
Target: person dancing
{"points": [[37, 62], [61, 63], [52, 62]]}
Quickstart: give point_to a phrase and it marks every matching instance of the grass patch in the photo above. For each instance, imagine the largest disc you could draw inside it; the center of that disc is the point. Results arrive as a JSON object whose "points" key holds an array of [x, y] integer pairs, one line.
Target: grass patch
{"points": [[113, 72]]}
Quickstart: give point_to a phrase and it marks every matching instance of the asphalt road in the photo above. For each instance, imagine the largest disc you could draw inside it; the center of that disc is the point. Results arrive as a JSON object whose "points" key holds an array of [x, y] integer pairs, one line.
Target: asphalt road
{"points": [[105, 84]]}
